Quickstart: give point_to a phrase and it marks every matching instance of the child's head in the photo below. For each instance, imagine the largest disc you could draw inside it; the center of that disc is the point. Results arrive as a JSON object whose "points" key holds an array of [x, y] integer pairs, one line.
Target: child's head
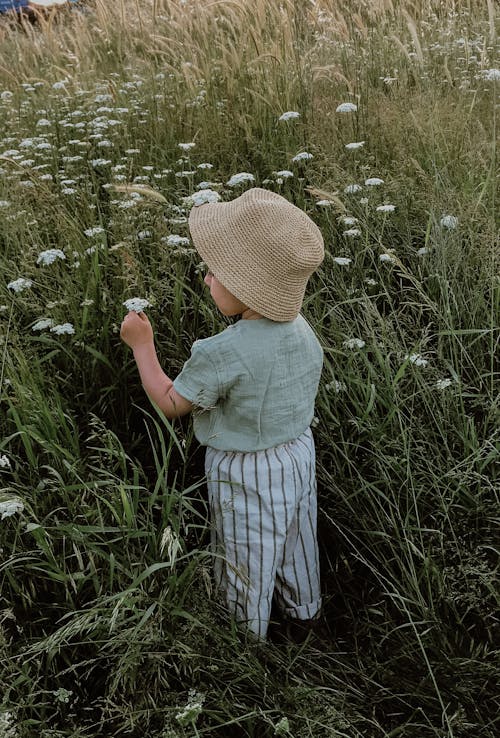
{"points": [[261, 248]]}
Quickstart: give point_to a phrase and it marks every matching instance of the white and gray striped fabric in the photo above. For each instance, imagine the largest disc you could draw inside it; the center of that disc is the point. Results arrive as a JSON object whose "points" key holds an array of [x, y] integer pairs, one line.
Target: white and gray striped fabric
{"points": [[263, 515]]}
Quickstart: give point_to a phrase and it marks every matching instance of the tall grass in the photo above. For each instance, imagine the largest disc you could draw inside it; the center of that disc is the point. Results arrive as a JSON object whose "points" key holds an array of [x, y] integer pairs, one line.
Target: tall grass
{"points": [[107, 615]]}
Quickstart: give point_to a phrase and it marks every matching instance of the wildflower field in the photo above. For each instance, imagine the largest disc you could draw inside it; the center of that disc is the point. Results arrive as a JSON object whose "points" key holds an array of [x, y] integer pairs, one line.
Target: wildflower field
{"points": [[379, 118]]}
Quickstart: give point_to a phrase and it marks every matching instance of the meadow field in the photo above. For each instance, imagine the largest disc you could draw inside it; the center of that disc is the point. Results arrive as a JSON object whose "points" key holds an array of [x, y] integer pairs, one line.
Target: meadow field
{"points": [[380, 120]]}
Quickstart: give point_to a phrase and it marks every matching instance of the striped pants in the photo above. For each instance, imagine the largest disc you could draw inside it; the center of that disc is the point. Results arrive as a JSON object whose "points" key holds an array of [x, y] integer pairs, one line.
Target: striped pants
{"points": [[263, 530]]}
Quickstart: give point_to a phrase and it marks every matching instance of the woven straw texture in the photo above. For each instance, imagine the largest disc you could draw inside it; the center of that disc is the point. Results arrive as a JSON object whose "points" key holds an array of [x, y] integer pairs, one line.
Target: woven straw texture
{"points": [[261, 248]]}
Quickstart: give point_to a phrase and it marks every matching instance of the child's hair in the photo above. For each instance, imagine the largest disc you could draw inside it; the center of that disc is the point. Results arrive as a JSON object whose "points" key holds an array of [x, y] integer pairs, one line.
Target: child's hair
{"points": [[261, 247]]}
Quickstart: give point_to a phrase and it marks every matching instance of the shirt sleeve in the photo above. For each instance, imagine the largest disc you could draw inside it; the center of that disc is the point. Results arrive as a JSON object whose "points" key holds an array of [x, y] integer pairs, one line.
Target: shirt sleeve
{"points": [[198, 380]]}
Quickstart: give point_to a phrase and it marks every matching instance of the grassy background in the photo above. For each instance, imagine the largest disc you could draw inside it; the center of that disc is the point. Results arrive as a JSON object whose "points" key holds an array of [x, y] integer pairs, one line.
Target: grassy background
{"points": [[106, 612]]}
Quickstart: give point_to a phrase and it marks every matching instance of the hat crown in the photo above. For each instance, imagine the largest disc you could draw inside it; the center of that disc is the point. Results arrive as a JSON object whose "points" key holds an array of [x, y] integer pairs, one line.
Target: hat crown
{"points": [[261, 247]]}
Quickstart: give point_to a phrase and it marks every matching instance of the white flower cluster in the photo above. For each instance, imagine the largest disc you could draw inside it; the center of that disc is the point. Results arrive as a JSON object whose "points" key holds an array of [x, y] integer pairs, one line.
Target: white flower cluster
{"points": [[43, 323], [186, 146], [289, 115], [18, 285], [352, 189], [354, 145], [4, 462], [491, 75], [49, 256], [62, 329], [177, 241], [353, 343], [200, 198], [136, 304], [416, 359], [302, 156], [240, 178], [342, 260], [373, 181], [95, 231], [10, 506], [347, 107], [449, 221]]}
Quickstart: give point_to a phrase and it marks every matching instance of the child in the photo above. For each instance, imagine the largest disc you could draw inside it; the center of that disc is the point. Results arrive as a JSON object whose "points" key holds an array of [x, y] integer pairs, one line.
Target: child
{"points": [[253, 386]]}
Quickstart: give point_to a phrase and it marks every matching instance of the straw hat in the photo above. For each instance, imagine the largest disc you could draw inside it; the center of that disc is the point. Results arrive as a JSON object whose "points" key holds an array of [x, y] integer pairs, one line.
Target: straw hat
{"points": [[261, 248]]}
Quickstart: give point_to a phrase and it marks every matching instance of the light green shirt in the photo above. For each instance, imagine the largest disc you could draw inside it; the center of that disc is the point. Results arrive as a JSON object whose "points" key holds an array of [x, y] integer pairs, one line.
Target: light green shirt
{"points": [[254, 384]]}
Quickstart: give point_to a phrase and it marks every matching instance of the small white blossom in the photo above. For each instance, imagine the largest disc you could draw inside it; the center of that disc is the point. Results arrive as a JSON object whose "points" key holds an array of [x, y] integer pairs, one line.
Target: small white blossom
{"points": [[352, 233], [449, 221], [324, 203], [336, 386], [18, 285], [62, 695], [422, 251], [43, 123], [416, 359], [352, 189], [348, 219], [239, 178], [4, 462], [443, 383], [387, 258], [100, 162], [186, 146], [62, 328], [204, 165], [136, 304], [4, 203], [177, 241], [373, 181], [354, 145], [354, 343], [87, 302], [289, 115], [490, 75], [342, 260], [283, 173], [385, 208], [302, 156], [10, 506], [190, 712], [347, 107], [43, 323], [201, 197], [49, 257], [144, 234], [95, 231]]}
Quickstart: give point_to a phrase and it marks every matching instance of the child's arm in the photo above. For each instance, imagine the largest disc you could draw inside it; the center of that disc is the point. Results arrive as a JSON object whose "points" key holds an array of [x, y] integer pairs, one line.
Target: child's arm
{"points": [[136, 331]]}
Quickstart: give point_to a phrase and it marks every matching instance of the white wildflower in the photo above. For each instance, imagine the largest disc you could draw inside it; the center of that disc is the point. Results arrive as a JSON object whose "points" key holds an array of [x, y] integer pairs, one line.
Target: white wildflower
{"points": [[95, 231], [448, 221], [423, 250], [385, 208], [302, 156], [6, 96], [10, 506], [186, 146], [194, 706], [363, 201], [416, 359], [144, 234], [203, 165], [352, 189], [352, 343], [336, 386], [177, 241], [100, 162], [354, 145], [289, 115], [18, 285], [371, 282], [491, 75], [239, 178], [136, 304], [4, 203], [283, 173], [389, 258], [87, 302], [352, 233], [4, 462], [200, 198], [324, 203], [348, 219], [43, 123], [347, 107], [443, 383], [43, 323], [373, 181], [62, 695], [62, 328], [49, 256], [342, 260]]}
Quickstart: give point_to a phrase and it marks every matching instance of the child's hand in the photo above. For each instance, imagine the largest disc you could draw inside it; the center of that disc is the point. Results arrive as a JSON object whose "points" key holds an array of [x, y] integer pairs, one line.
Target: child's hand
{"points": [[136, 330]]}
